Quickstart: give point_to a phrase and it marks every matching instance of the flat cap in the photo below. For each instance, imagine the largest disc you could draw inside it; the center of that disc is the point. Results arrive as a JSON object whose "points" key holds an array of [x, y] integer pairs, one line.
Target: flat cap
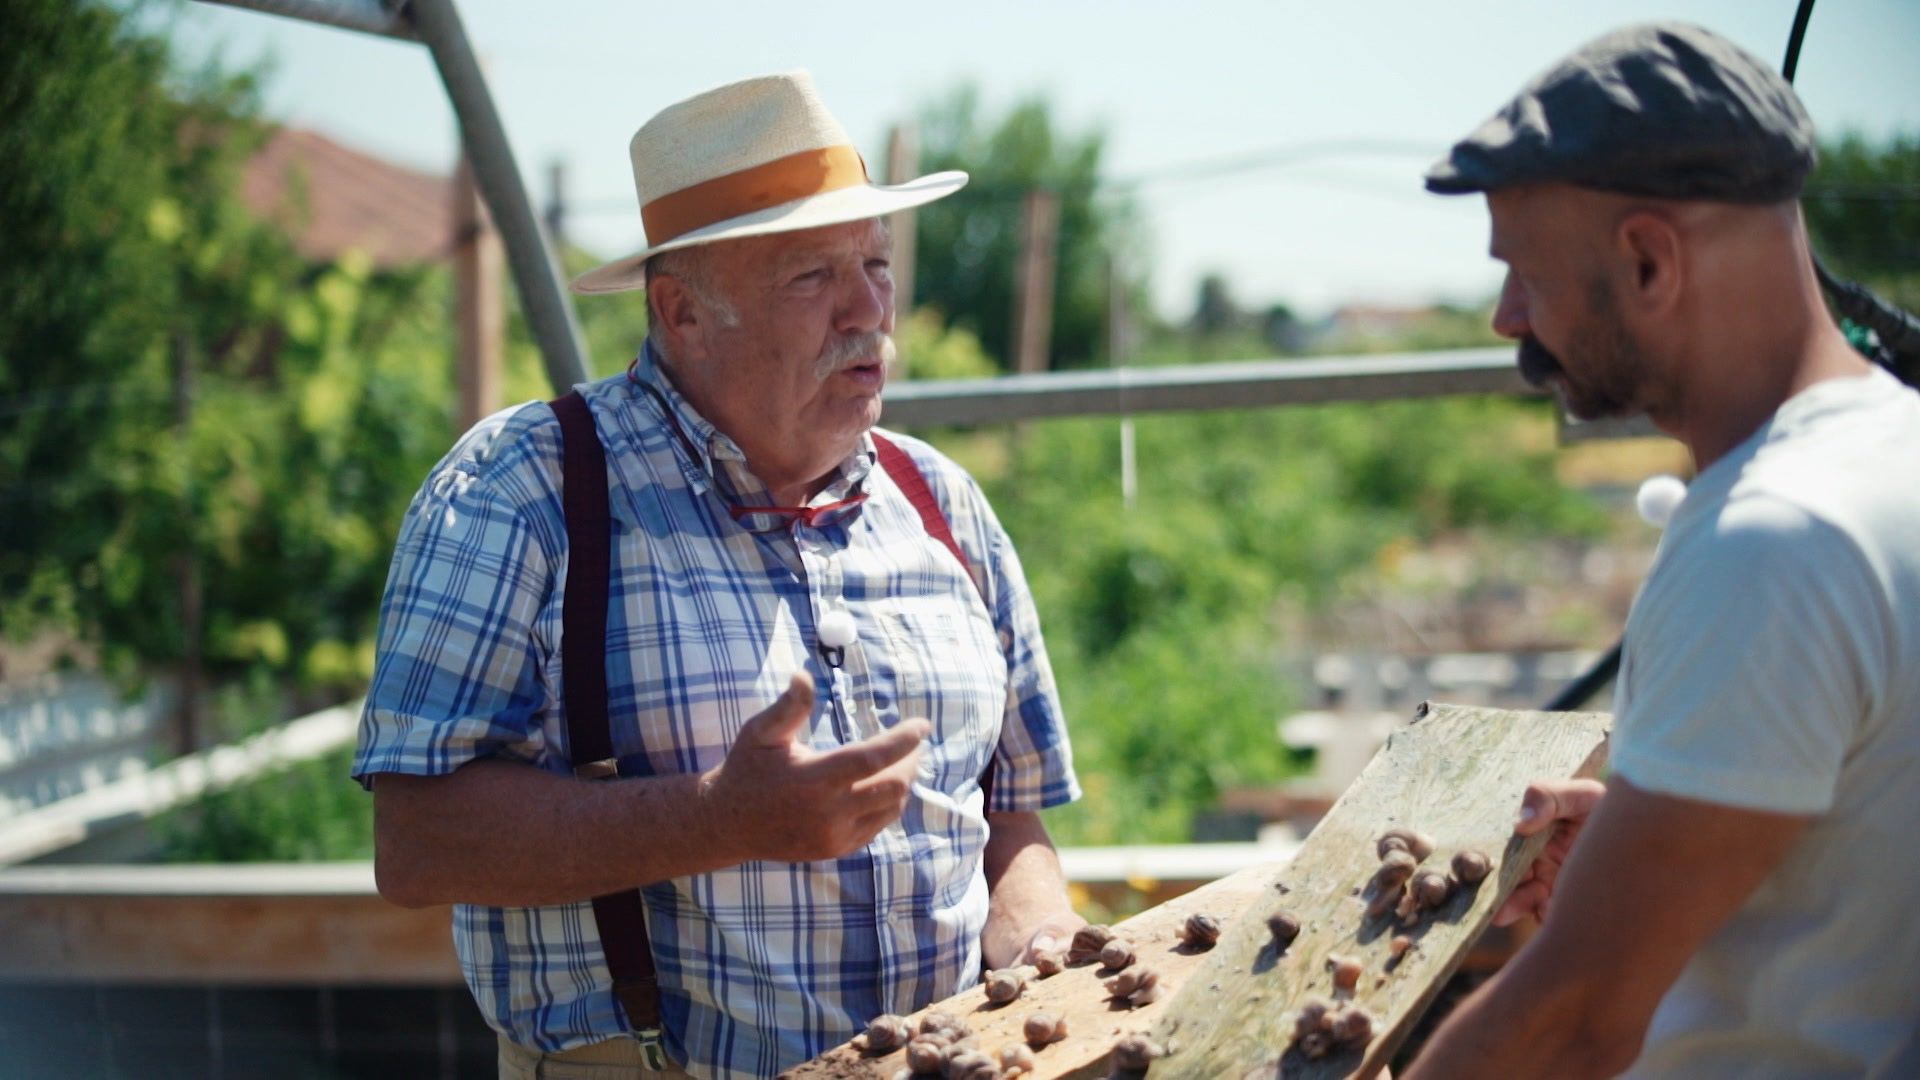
{"points": [[1662, 110]]}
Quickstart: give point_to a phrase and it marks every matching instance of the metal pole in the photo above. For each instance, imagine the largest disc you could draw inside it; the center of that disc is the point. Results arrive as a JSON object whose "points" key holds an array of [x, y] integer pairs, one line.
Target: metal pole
{"points": [[366, 16], [1248, 384], [1595, 679], [549, 315]]}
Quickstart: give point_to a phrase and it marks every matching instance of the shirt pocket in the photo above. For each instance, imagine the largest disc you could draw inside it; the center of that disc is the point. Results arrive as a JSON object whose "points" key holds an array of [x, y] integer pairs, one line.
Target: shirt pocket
{"points": [[946, 668]]}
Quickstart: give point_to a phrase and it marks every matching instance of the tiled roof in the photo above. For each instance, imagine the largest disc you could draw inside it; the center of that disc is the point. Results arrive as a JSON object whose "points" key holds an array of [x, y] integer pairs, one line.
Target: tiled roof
{"points": [[334, 198]]}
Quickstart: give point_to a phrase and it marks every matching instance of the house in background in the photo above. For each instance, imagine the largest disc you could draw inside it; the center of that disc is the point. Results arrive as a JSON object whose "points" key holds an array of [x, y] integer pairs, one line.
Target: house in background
{"points": [[333, 198]]}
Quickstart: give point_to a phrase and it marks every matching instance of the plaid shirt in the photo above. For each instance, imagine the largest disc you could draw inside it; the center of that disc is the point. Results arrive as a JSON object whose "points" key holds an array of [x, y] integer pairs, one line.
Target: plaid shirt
{"points": [[765, 964]]}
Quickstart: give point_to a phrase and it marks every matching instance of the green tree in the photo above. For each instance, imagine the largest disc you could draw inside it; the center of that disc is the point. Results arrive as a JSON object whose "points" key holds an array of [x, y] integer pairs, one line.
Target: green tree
{"points": [[1160, 617], [118, 169], [969, 242], [1863, 207], [182, 389], [1215, 311]]}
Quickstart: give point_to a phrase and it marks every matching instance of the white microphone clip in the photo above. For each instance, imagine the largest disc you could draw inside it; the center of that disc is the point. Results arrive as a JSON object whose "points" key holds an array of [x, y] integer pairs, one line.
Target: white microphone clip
{"points": [[836, 633]]}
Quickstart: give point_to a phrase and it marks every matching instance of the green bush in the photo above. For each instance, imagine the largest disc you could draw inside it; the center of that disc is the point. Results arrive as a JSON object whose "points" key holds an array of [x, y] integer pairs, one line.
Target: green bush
{"points": [[1160, 617], [309, 812]]}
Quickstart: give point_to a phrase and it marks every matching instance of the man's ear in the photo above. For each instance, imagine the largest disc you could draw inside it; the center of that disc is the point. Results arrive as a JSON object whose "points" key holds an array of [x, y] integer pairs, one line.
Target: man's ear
{"points": [[1653, 270], [671, 306]]}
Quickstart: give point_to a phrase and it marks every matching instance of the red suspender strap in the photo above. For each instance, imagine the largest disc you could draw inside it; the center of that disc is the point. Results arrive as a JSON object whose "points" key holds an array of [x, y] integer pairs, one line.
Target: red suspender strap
{"points": [[911, 482], [621, 917], [906, 475]]}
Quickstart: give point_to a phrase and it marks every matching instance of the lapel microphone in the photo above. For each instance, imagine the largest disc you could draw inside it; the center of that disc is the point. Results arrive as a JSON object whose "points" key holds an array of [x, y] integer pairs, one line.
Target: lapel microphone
{"points": [[836, 633]]}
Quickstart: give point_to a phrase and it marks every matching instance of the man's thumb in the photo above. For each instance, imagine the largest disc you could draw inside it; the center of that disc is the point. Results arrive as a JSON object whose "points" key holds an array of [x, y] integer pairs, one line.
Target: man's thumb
{"points": [[779, 722], [1549, 801]]}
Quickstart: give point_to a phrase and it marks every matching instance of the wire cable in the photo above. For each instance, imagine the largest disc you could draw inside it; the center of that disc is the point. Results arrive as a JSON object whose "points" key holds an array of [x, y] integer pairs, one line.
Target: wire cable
{"points": [[1897, 330]]}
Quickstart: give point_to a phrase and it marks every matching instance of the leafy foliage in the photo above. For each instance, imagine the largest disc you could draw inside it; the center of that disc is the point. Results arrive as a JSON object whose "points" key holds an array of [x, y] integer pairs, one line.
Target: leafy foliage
{"points": [[1863, 209], [1863, 206], [929, 350], [318, 397], [185, 389], [308, 812], [969, 242], [1161, 617], [123, 177]]}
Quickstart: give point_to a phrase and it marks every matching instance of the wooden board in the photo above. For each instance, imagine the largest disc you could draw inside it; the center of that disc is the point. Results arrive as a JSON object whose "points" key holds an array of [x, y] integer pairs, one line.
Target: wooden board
{"points": [[1093, 1022], [1457, 774], [274, 940]]}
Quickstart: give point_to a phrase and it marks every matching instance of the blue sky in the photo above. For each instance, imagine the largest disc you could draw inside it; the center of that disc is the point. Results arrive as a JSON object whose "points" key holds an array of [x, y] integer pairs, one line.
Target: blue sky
{"points": [[1170, 84]]}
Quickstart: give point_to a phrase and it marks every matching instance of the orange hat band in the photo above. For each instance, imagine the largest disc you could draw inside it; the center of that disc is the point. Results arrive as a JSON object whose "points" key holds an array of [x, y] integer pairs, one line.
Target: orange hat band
{"points": [[782, 180]]}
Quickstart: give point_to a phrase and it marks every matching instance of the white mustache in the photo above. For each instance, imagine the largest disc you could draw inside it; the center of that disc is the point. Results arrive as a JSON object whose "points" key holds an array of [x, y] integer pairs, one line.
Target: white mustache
{"points": [[855, 349]]}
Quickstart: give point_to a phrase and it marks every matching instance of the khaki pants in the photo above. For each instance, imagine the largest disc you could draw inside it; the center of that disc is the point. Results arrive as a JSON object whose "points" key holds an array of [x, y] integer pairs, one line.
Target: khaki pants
{"points": [[615, 1059]]}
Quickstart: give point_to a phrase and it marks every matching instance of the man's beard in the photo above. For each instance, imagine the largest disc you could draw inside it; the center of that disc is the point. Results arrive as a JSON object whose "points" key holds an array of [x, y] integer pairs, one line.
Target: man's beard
{"points": [[847, 350], [1612, 365]]}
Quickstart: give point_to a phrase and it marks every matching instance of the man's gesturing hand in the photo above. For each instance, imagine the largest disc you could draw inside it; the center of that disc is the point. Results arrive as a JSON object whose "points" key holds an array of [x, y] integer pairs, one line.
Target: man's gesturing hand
{"points": [[1563, 806], [776, 799]]}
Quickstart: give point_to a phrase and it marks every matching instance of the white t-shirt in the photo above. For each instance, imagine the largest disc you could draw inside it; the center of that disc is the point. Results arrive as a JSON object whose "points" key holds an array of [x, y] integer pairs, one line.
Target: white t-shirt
{"points": [[1773, 663]]}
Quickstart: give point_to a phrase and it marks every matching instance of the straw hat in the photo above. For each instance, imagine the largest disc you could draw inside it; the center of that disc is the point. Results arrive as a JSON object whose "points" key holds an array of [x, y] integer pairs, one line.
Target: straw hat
{"points": [[750, 158]]}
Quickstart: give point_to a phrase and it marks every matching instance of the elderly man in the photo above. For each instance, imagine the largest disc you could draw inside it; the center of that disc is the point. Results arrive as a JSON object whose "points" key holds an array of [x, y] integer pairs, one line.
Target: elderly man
{"points": [[786, 680], [1736, 901]]}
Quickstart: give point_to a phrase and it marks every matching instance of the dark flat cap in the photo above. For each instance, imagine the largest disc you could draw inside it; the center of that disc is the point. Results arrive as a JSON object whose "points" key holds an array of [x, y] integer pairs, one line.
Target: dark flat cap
{"points": [[1664, 110]]}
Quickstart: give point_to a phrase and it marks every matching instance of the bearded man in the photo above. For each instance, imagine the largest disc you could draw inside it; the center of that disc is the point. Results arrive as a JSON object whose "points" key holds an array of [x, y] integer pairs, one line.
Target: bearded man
{"points": [[1733, 901]]}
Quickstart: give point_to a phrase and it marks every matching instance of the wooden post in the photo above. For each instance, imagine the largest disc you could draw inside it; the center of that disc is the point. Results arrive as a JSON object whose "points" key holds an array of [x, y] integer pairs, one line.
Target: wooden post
{"points": [[903, 163], [187, 564], [1033, 282], [479, 311]]}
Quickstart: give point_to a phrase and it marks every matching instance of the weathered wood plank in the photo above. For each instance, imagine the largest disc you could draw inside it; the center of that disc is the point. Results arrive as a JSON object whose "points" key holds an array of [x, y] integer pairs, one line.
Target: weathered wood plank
{"points": [[1456, 774], [1093, 1021], [290, 924]]}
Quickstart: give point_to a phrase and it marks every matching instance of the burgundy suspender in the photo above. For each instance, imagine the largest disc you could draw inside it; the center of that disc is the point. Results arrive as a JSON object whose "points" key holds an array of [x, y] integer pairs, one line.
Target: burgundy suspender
{"points": [[906, 475], [583, 492], [621, 917]]}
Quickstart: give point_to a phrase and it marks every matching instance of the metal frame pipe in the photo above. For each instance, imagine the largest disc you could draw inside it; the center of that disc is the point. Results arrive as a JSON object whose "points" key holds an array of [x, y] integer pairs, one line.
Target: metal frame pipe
{"points": [[366, 16], [1241, 385], [436, 24], [549, 314]]}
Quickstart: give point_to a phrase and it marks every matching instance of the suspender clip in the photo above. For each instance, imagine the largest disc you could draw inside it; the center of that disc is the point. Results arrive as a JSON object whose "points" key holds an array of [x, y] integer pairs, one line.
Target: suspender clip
{"points": [[604, 769], [651, 1049]]}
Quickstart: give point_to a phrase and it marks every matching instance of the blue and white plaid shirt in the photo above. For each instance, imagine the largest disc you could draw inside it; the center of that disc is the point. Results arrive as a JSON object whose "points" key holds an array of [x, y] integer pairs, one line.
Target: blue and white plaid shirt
{"points": [[766, 964]]}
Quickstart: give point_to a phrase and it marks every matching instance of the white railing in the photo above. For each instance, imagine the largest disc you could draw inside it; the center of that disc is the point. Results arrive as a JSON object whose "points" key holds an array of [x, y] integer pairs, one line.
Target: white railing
{"points": [[127, 804], [64, 734]]}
